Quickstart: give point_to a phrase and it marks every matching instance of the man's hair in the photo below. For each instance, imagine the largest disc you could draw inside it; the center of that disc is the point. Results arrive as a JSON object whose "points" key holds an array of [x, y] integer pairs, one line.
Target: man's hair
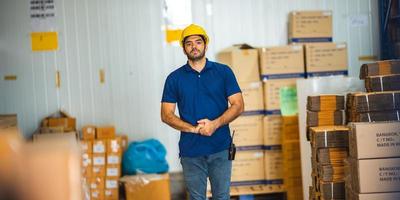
{"points": [[202, 37]]}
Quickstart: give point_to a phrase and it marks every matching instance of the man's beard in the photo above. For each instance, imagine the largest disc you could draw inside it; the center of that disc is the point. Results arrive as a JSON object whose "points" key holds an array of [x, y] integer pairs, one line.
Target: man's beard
{"points": [[198, 57]]}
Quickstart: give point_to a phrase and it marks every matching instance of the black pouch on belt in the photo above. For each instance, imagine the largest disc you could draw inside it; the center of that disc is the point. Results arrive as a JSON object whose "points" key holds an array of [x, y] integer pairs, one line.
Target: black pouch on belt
{"points": [[232, 149]]}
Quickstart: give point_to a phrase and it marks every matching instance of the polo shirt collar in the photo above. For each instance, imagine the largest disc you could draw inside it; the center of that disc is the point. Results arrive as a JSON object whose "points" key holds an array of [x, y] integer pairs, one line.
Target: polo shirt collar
{"points": [[188, 68]]}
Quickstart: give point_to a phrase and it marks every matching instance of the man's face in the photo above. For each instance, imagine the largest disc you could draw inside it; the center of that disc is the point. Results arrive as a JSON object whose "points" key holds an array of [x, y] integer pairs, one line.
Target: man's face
{"points": [[194, 48]]}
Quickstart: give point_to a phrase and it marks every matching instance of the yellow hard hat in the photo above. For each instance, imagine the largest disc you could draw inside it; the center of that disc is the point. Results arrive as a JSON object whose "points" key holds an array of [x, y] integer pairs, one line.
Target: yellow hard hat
{"points": [[194, 29]]}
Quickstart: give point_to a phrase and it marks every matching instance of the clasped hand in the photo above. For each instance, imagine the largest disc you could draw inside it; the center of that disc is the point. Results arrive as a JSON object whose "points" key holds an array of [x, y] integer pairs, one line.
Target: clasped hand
{"points": [[205, 127]]}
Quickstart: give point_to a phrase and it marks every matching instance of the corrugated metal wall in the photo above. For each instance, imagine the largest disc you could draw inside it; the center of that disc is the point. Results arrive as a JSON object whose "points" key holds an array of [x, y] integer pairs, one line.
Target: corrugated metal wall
{"points": [[125, 39]]}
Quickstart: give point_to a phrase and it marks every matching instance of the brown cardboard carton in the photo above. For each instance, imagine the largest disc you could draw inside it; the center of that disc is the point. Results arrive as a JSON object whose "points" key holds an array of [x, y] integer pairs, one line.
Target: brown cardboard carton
{"points": [[86, 146], [98, 170], [273, 166], [374, 140], [111, 194], [290, 128], [375, 175], [105, 132], [379, 68], [310, 26], [147, 186], [271, 93], [89, 132], [124, 141], [113, 171], [326, 59], [374, 196], [272, 130], [97, 183], [99, 146], [97, 194], [243, 60], [282, 62], [252, 96], [114, 145], [99, 159], [111, 182], [113, 158], [248, 166], [87, 166], [248, 130]]}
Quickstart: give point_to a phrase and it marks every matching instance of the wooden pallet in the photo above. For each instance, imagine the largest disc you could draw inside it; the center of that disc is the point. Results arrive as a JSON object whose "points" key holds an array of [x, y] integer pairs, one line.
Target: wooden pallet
{"points": [[253, 189]]}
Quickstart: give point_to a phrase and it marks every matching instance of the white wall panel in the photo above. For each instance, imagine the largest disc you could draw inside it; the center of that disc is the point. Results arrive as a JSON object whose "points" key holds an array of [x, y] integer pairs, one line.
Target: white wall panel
{"points": [[125, 39]]}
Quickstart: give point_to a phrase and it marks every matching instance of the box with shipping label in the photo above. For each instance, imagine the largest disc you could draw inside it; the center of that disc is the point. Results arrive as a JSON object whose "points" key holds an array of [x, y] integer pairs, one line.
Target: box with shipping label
{"points": [[99, 146], [113, 170], [310, 26], [243, 60], [375, 175], [96, 182], [272, 93], [147, 186], [86, 165], [248, 130], [124, 141], [111, 194], [97, 194], [88, 132], [98, 170], [253, 97], [374, 140], [248, 168], [99, 159], [290, 128], [105, 132], [114, 158], [273, 166], [111, 183], [86, 146], [325, 59], [272, 130], [282, 62], [114, 145]]}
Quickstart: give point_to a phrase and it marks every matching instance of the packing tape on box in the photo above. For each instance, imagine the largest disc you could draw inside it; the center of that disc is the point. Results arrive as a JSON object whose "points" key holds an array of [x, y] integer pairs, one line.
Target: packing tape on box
{"points": [[366, 98], [332, 190]]}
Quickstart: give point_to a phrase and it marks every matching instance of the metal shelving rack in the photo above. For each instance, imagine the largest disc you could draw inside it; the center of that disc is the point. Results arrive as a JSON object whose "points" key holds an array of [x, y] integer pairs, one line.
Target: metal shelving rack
{"points": [[389, 14]]}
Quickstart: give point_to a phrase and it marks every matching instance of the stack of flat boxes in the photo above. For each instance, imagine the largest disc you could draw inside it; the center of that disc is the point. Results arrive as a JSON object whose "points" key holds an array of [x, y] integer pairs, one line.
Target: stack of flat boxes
{"points": [[280, 67], [314, 30], [291, 160], [373, 169], [248, 166], [101, 162], [329, 145]]}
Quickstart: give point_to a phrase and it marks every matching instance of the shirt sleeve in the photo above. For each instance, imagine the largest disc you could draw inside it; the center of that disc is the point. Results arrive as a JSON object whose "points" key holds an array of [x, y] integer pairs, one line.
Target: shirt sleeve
{"points": [[231, 84], [170, 94]]}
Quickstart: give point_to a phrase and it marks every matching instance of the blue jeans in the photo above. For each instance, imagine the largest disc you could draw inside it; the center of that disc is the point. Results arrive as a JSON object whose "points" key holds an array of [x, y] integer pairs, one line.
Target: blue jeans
{"points": [[215, 166]]}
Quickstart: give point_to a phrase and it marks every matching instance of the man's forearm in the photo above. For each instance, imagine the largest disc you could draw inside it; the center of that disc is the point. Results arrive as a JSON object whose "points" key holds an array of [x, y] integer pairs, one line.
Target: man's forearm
{"points": [[229, 115], [177, 123]]}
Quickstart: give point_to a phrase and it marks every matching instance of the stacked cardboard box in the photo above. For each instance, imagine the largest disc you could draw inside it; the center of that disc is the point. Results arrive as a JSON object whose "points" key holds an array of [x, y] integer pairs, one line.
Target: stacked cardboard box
{"points": [[291, 160], [147, 186], [373, 167], [381, 76], [310, 26], [58, 123], [329, 145], [101, 161]]}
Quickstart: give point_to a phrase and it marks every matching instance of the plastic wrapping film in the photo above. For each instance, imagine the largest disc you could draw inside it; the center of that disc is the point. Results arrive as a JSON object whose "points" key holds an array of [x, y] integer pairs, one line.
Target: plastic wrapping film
{"points": [[338, 85]]}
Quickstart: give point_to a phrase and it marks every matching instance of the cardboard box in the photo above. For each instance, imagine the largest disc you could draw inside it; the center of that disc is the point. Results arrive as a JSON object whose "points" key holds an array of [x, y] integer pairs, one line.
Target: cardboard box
{"points": [[243, 60], [51, 170], [252, 96], [113, 171], [111, 194], [147, 186], [271, 93], [86, 146], [8, 121], [248, 168], [374, 140], [87, 165], [67, 123], [114, 159], [282, 62], [114, 145], [99, 146], [112, 183], [124, 141], [98, 170], [105, 132], [373, 196], [97, 183], [99, 159], [273, 166], [310, 26], [89, 132], [375, 175], [290, 128], [272, 130], [248, 130], [325, 59], [97, 194]]}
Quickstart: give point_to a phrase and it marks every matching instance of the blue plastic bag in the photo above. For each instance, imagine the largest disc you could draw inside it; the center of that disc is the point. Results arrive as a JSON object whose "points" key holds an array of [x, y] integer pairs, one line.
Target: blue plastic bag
{"points": [[145, 157]]}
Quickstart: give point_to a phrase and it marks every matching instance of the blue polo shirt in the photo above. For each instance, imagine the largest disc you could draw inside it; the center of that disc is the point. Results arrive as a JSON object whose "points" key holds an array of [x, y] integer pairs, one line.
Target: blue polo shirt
{"points": [[198, 96]]}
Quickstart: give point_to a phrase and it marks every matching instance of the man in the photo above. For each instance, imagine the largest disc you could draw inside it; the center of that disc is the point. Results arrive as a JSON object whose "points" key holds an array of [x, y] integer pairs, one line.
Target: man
{"points": [[202, 90]]}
